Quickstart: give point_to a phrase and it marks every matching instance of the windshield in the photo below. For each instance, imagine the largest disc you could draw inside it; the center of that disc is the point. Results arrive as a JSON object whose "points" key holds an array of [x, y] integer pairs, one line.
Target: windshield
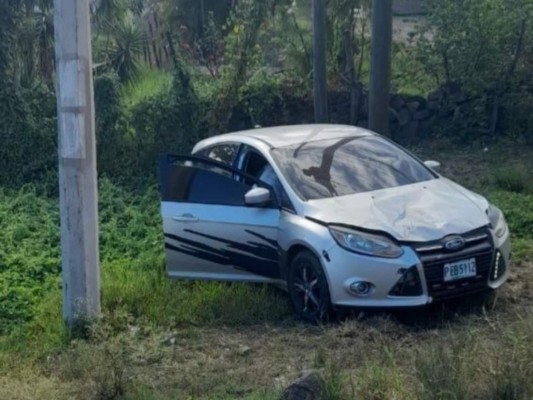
{"points": [[343, 166]]}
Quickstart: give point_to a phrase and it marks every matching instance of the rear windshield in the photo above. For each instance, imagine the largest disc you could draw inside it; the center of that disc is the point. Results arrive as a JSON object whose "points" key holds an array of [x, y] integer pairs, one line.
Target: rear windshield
{"points": [[343, 166]]}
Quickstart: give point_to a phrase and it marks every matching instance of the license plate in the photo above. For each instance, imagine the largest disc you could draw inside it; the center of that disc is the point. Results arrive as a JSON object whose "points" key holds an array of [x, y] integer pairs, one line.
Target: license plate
{"points": [[459, 270]]}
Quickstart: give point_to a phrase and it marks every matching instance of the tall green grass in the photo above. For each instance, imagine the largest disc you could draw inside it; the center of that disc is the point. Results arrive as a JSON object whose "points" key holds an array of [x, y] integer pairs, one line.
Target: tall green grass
{"points": [[150, 83], [134, 282]]}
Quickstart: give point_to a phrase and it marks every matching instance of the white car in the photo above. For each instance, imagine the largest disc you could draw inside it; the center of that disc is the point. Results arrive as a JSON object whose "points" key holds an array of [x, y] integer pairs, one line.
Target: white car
{"points": [[338, 215]]}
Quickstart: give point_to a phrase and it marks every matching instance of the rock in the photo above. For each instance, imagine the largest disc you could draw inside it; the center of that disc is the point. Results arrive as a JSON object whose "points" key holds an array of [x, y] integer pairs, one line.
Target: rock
{"points": [[403, 116], [408, 133], [396, 102], [445, 111], [417, 99], [308, 387], [425, 127], [433, 105], [422, 114], [436, 95], [170, 340], [244, 350], [457, 98], [413, 106]]}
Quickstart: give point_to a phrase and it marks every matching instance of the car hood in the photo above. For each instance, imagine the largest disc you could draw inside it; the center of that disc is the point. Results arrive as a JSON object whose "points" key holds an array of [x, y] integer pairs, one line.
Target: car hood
{"points": [[419, 212]]}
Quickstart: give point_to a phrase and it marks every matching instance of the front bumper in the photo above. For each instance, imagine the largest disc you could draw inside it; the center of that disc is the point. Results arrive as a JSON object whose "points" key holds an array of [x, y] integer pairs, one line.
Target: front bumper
{"points": [[345, 268]]}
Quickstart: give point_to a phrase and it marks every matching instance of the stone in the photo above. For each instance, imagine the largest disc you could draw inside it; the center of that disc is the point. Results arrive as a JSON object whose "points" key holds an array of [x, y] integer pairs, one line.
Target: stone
{"points": [[309, 387], [457, 98], [396, 102], [445, 111], [433, 105], [436, 95], [413, 106], [422, 114], [244, 350], [408, 133], [403, 116]]}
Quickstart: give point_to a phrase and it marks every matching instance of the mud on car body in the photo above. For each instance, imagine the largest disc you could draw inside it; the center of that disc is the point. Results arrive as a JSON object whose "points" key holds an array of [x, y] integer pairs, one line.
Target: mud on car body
{"points": [[338, 215]]}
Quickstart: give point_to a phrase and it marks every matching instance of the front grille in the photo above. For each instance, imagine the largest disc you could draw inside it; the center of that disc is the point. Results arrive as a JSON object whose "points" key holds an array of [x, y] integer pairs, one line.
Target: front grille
{"points": [[478, 245], [409, 284]]}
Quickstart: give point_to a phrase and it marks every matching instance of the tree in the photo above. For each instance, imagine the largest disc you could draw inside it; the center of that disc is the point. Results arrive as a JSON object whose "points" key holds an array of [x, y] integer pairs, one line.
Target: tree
{"points": [[380, 66], [320, 86], [349, 21], [129, 39], [245, 22], [478, 45]]}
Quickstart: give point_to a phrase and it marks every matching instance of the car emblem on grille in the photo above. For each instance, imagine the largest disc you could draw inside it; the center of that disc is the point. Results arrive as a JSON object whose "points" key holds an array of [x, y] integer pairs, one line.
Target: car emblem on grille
{"points": [[454, 243]]}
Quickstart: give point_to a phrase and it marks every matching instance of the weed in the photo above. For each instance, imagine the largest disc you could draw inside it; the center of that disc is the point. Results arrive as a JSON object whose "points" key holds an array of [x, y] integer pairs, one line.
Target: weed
{"points": [[511, 179]]}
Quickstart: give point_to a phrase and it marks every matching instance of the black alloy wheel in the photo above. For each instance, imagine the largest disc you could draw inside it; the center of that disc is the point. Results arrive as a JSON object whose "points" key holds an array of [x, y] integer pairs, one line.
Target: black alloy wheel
{"points": [[308, 288]]}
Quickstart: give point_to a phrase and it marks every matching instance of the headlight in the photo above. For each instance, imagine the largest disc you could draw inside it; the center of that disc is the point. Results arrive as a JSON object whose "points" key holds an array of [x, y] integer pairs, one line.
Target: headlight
{"points": [[497, 220], [365, 243]]}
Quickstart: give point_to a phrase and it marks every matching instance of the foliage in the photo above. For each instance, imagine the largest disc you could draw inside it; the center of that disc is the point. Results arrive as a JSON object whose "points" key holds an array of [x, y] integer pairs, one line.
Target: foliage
{"points": [[511, 178], [133, 275], [8, 19], [171, 121], [29, 254], [241, 54], [27, 134], [113, 144], [483, 47], [129, 40], [518, 211], [472, 42]]}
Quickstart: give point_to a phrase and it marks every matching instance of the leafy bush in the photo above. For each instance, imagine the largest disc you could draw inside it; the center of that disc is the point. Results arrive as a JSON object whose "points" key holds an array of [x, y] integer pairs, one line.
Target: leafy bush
{"points": [[114, 147], [29, 253], [27, 133]]}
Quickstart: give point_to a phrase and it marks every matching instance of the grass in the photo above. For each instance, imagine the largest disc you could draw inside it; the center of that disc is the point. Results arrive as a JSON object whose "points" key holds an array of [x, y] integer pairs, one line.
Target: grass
{"points": [[151, 83], [161, 339]]}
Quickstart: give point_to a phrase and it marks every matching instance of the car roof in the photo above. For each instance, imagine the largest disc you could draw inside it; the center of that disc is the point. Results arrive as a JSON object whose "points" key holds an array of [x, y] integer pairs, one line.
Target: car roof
{"points": [[280, 136]]}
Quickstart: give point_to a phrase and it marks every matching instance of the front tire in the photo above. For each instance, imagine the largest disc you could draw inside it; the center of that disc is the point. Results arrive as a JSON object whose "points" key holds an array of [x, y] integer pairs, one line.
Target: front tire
{"points": [[308, 288]]}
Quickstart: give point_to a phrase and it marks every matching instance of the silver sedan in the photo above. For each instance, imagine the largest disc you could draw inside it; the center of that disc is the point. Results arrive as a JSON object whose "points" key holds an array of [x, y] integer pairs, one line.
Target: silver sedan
{"points": [[337, 215]]}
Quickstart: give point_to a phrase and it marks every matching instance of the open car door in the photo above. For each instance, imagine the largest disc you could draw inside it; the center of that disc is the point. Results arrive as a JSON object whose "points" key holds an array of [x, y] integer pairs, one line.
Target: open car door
{"points": [[210, 233]]}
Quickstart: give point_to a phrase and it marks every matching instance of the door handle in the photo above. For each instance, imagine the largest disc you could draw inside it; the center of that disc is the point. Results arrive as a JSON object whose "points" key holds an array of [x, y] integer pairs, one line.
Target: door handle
{"points": [[185, 218]]}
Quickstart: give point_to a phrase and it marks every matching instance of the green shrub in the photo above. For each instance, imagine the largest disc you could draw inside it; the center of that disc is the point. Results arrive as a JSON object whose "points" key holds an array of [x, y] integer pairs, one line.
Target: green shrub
{"points": [[114, 147], [29, 254], [27, 133]]}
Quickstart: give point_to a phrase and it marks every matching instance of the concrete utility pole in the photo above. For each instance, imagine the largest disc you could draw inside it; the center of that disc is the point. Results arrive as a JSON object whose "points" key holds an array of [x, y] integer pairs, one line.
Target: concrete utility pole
{"points": [[320, 86], [77, 162], [380, 66]]}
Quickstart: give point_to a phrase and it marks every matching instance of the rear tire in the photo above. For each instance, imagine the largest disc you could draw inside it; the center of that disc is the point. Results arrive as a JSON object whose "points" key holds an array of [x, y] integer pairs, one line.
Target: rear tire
{"points": [[308, 288]]}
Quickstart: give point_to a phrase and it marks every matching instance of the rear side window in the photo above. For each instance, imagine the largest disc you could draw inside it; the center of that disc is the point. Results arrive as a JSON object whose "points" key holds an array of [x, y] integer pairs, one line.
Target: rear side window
{"points": [[223, 153]]}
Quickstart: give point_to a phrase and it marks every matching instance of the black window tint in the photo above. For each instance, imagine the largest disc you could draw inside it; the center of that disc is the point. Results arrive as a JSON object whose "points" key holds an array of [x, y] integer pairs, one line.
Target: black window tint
{"points": [[197, 185], [208, 187], [337, 167]]}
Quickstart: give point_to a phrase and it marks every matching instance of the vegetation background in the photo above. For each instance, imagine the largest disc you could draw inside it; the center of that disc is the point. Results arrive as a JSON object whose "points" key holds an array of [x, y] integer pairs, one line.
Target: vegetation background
{"points": [[170, 72]]}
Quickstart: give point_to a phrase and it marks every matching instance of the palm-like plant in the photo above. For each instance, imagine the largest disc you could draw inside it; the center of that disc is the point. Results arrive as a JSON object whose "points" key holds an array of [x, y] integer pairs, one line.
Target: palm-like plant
{"points": [[129, 39]]}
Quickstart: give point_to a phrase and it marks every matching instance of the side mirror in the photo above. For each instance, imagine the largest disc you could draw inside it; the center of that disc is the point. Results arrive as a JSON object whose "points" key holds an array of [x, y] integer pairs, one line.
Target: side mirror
{"points": [[434, 165], [257, 197]]}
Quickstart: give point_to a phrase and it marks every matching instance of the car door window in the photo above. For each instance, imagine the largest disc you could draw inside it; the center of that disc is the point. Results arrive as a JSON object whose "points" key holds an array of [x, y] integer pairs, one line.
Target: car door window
{"points": [[204, 182], [254, 164]]}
